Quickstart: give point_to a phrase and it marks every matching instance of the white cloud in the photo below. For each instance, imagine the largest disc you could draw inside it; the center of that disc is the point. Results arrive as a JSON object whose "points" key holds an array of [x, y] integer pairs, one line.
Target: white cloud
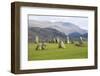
{"points": [[81, 22]]}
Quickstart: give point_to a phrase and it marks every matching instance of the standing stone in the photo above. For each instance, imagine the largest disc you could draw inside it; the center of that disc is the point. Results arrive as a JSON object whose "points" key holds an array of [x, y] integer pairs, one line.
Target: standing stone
{"points": [[61, 44], [54, 40], [39, 46], [81, 40], [43, 46], [57, 40], [68, 40], [37, 39]]}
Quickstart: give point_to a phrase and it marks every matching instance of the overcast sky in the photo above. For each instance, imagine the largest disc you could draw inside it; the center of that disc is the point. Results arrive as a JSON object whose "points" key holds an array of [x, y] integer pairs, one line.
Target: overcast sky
{"points": [[81, 22]]}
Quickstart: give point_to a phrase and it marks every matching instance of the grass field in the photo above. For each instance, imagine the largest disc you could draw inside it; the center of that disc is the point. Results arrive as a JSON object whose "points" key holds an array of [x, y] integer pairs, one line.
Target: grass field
{"points": [[53, 52]]}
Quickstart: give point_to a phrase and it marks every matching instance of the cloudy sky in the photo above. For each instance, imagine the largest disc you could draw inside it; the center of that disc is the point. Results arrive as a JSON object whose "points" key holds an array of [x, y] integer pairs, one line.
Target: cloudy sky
{"points": [[81, 22]]}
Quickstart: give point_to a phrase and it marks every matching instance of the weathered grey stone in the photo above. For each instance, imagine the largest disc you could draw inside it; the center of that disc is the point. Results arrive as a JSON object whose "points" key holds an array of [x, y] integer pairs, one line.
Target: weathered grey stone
{"points": [[61, 44], [37, 39], [39, 46], [44, 45], [57, 39], [68, 40], [81, 40]]}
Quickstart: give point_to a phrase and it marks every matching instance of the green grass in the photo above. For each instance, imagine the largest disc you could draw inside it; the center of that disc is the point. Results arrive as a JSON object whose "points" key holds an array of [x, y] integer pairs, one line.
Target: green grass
{"points": [[53, 52]]}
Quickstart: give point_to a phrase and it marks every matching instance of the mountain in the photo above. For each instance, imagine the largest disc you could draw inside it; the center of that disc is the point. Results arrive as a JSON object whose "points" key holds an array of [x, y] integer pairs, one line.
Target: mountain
{"points": [[85, 35], [74, 35], [68, 28], [45, 34], [48, 30], [64, 27]]}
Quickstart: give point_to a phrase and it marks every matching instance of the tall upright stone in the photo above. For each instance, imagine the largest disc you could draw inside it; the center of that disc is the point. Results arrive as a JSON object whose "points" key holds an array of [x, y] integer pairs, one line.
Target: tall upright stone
{"points": [[57, 40], [61, 44], [37, 39], [81, 40], [54, 40], [68, 39]]}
